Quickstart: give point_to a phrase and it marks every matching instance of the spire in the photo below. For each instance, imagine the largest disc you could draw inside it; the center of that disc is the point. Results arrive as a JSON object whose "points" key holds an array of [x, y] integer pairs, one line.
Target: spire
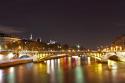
{"points": [[31, 37], [40, 39]]}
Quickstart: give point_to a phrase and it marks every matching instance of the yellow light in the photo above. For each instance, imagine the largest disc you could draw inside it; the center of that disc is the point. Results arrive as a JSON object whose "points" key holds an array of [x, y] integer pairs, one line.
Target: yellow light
{"points": [[73, 50], [48, 66], [89, 61], [112, 64], [78, 50], [62, 50], [19, 47], [69, 50], [111, 48], [1, 57], [120, 48]]}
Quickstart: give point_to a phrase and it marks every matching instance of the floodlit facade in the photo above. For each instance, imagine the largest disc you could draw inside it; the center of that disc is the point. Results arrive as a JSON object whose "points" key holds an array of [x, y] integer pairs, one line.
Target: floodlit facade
{"points": [[119, 41], [5, 39]]}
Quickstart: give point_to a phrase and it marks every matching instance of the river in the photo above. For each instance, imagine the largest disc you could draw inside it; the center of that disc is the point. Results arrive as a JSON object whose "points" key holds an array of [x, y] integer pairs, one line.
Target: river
{"points": [[63, 70]]}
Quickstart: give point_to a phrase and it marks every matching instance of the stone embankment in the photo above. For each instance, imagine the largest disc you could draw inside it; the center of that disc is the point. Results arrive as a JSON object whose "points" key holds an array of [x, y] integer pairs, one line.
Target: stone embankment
{"points": [[14, 62]]}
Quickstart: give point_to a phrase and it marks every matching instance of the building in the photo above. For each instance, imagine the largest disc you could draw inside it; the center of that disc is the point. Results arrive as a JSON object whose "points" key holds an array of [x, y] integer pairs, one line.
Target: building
{"points": [[51, 42], [118, 44], [119, 41], [5, 39]]}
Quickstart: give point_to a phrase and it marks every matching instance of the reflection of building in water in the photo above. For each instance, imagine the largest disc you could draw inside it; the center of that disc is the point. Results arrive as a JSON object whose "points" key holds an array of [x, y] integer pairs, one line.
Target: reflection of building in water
{"points": [[5, 39]]}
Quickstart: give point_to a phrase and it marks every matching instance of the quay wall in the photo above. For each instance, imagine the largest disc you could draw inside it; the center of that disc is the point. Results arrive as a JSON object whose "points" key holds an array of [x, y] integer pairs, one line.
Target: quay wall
{"points": [[14, 62]]}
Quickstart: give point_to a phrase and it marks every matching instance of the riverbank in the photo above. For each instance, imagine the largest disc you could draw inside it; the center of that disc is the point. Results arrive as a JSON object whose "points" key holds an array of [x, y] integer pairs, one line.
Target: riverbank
{"points": [[14, 62]]}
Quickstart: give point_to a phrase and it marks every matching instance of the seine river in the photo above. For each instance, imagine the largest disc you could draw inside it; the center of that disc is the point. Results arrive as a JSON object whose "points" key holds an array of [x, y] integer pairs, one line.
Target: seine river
{"points": [[63, 70]]}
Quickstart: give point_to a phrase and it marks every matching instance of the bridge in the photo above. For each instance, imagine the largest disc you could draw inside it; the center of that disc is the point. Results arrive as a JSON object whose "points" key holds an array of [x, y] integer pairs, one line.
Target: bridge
{"points": [[38, 56], [98, 55], [45, 55]]}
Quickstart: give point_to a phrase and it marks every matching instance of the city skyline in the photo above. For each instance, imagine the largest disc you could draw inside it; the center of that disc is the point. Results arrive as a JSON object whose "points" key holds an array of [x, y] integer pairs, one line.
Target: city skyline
{"points": [[90, 23]]}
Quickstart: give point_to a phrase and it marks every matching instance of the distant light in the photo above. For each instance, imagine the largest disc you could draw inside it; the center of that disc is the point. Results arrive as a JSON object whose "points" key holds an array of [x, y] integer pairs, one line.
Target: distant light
{"points": [[69, 50], [31, 37], [78, 50], [73, 50], [78, 46]]}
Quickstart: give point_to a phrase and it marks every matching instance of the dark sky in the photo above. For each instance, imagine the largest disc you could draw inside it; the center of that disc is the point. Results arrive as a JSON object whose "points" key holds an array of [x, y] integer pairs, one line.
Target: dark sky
{"points": [[89, 22]]}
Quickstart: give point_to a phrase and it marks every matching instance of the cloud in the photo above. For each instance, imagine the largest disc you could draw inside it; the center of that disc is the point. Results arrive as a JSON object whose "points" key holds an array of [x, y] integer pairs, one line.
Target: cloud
{"points": [[7, 29]]}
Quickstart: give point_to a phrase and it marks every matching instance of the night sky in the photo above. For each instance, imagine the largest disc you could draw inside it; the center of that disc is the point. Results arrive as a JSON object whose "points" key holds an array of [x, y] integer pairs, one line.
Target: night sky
{"points": [[89, 22]]}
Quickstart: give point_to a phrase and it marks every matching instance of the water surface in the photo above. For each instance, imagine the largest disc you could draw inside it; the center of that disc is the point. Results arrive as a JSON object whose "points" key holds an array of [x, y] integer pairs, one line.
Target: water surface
{"points": [[64, 70]]}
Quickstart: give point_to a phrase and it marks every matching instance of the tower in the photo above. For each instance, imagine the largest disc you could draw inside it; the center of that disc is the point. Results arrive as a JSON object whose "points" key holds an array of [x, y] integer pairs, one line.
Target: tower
{"points": [[31, 37]]}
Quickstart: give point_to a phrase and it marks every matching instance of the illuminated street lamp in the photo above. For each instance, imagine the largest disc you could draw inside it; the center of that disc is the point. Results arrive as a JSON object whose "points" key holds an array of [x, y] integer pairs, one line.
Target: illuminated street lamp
{"points": [[69, 50]]}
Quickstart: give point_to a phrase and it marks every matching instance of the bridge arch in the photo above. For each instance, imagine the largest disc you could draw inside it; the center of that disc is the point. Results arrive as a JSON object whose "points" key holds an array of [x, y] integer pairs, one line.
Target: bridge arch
{"points": [[109, 56], [24, 56], [114, 57]]}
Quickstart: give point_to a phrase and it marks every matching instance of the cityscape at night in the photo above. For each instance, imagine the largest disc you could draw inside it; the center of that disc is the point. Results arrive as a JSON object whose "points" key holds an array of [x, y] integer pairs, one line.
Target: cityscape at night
{"points": [[62, 41]]}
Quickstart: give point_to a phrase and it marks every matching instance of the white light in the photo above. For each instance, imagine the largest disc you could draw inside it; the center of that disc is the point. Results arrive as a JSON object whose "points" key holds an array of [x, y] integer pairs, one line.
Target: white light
{"points": [[10, 55], [0, 47], [74, 56], [112, 64], [78, 46], [89, 61], [11, 69], [1, 57], [52, 65], [48, 66], [58, 61], [1, 76]]}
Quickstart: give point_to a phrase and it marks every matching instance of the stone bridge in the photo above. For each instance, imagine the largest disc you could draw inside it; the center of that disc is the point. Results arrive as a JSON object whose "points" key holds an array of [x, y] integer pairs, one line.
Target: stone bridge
{"points": [[44, 55], [120, 55]]}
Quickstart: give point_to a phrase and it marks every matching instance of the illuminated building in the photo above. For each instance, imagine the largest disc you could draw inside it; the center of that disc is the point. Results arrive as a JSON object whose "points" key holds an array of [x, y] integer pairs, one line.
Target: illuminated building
{"points": [[51, 42], [31, 37], [5, 39], [119, 41]]}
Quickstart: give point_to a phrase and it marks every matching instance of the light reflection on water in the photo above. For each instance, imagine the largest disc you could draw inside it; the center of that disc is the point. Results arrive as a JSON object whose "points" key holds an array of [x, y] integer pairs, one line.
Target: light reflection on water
{"points": [[79, 75], [64, 70], [89, 61], [1, 76], [11, 76], [20, 74], [48, 66], [52, 74]]}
